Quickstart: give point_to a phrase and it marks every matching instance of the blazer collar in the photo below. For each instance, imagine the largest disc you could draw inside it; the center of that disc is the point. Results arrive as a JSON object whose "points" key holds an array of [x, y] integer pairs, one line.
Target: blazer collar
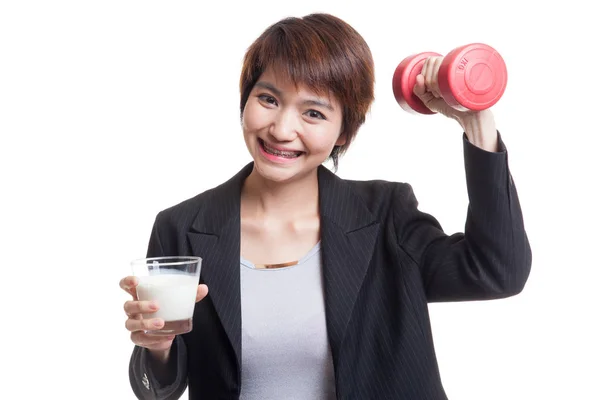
{"points": [[337, 202], [348, 235]]}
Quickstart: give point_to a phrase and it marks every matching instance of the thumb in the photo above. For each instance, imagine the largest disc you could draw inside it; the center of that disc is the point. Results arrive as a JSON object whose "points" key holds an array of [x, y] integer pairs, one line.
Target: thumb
{"points": [[202, 292]]}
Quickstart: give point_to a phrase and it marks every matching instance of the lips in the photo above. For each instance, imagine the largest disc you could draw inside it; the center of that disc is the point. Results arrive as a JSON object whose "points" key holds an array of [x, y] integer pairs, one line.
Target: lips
{"points": [[277, 152]]}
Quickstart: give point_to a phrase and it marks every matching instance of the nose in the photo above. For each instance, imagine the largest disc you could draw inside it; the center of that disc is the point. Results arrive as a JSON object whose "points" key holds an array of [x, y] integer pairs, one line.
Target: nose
{"points": [[285, 126]]}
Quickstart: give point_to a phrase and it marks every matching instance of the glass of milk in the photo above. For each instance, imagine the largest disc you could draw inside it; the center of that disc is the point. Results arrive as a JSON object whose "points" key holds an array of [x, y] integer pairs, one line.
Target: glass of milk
{"points": [[173, 283]]}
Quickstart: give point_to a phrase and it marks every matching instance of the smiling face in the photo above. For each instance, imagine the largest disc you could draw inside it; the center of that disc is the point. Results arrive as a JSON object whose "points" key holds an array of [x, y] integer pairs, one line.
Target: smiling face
{"points": [[289, 130]]}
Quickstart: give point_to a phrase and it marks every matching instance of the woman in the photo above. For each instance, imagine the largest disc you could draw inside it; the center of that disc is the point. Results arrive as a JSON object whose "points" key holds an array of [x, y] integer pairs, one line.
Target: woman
{"points": [[319, 285]]}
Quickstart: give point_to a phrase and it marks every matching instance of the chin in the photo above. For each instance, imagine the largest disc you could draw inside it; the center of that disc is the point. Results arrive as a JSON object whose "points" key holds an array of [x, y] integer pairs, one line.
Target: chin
{"points": [[276, 173]]}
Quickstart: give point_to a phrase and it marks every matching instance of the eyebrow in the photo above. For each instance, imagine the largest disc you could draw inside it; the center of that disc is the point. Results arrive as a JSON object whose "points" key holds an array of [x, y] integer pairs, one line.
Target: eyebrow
{"points": [[311, 102]]}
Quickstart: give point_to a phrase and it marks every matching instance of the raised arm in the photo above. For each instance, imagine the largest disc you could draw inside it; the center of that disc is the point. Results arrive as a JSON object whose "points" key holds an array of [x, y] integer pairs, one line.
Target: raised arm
{"points": [[492, 258]]}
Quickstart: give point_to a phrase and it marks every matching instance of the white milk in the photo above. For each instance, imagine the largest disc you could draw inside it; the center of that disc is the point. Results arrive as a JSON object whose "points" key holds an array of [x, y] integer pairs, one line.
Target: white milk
{"points": [[175, 295]]}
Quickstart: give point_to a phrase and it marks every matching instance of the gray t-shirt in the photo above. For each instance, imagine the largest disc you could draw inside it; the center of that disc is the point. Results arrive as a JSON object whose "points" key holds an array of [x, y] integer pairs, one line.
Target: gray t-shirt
{"points": [[285, 349]]}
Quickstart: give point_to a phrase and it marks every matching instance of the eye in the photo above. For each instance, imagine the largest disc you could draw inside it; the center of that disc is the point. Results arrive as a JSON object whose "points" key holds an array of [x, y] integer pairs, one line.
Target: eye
{"points": [[315, 114], [268, 99]]}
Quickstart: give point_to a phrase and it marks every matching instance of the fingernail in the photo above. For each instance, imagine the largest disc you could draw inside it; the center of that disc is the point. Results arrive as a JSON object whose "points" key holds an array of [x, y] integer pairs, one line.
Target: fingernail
{"points": [[153, 306], [157, 323]]}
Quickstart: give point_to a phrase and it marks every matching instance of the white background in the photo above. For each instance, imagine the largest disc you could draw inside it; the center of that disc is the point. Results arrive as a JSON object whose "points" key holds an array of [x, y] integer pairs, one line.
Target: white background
{"points": [[111, 111]]}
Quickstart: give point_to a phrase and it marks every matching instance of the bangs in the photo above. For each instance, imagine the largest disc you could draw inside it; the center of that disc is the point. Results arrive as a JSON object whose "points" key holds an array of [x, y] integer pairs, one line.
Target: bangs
{"points": [[302, 56], [299, 64]]}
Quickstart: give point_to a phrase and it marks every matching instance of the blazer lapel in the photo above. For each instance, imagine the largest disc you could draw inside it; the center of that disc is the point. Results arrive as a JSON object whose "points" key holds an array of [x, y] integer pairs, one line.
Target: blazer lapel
{"points": [[215, 236], [348, 235]]}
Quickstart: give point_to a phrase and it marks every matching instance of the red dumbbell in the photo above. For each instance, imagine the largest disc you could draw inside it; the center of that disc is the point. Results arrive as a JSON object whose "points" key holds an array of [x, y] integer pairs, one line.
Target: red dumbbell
{"points": [[471, 77]]}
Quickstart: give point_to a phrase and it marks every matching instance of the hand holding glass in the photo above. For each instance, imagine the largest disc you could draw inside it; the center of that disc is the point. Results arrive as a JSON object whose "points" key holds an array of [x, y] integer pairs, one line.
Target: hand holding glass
{"points": [[171, 283]]}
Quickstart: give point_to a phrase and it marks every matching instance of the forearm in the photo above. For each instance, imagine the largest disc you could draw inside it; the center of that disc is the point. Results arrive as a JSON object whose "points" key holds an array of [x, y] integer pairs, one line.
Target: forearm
{"points": [[151, 379], [164, 365], [494, 230], [481, 130]]}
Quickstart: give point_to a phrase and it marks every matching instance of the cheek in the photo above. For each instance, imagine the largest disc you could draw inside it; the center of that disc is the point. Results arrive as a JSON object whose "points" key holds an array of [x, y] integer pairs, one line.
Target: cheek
{"points": [[255, 117], [321, 140]]}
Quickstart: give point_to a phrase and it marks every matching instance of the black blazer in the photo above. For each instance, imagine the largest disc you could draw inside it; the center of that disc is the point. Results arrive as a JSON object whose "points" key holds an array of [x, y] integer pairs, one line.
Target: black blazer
{"points": [[383, 261]]}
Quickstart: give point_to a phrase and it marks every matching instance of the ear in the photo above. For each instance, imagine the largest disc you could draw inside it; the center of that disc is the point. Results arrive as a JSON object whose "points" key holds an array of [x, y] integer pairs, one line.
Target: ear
{"points": [[341, 140]]}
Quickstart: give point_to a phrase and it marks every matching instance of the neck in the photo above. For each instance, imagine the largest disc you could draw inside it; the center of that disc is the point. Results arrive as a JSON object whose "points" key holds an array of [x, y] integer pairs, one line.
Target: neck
{"points": [[281, 200]]}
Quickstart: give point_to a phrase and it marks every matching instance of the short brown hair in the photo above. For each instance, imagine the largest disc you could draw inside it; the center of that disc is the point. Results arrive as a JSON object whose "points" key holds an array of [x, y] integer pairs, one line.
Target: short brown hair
{"points": [[322, 52]]}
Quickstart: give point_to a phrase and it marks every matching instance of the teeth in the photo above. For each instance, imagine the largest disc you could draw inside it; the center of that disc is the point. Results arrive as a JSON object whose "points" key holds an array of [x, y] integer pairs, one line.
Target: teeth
{"points": [[279, 152]]}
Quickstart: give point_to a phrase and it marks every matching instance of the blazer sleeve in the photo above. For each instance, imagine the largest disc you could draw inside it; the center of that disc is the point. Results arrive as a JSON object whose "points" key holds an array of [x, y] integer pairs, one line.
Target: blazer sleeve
{"points": [[147, 385], [145, 381], [492, 258]]}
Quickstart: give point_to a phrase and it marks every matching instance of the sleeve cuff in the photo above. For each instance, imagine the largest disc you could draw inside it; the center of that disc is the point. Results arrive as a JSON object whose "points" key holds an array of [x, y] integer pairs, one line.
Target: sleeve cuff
{"points": [[471, 147], [486, 169], [157, 385]]}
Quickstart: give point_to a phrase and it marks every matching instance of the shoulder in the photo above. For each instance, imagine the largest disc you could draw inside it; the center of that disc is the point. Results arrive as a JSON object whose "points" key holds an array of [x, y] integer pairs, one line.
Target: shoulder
{"points": [[382, 196], [208, 209], [181, 215]]}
